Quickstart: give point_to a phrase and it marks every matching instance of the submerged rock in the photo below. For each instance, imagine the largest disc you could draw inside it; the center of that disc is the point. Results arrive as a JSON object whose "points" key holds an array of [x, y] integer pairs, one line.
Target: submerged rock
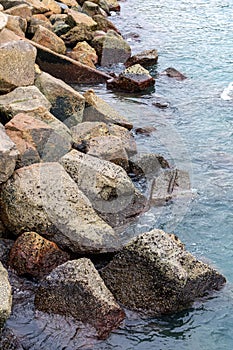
{"points": [[76, 288], [43, 198], [154, 274], [67, 104], [133, 79], [169, 184], [5, 296], [16, 56], [35, 256], [8, 340], [173, 73], [8, 155]]}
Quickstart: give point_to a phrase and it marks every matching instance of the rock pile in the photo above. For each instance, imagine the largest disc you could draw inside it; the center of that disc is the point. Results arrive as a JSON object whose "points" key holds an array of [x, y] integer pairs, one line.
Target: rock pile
{"points": [[67, 160]]}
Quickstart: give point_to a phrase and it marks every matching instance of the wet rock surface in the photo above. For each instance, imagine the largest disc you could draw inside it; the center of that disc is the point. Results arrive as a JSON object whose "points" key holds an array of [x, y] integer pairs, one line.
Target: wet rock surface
{"points": [[76, 288], [154, 274], [133, 79]]}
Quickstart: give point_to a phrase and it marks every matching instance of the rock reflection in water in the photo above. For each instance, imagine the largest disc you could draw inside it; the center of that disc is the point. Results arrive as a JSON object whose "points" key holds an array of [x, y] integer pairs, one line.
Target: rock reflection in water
{"points": [[36, 330]]}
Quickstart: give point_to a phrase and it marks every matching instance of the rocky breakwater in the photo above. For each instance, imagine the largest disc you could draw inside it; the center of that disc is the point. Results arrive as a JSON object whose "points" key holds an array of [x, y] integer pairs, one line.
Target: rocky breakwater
{"points": [[68, 169]]}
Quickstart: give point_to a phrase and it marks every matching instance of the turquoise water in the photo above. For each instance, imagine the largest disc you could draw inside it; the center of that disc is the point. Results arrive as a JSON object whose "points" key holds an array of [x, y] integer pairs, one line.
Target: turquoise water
{"points": [[195, 133]]}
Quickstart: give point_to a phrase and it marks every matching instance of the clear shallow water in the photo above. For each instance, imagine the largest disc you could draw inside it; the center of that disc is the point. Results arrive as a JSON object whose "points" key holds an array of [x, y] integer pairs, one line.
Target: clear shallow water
{"points": [[195, 133]]}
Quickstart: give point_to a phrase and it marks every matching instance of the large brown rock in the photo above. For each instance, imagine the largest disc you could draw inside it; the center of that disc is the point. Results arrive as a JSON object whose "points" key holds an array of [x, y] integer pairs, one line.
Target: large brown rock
{"points": [[104, 24], [111, 48], [5, 296], [37, 6], [8, 155], [17, 24], [76, 288], [47, 38], [133, 79], [84, 53], [16, 56], [96, 109], [43, 198], [22, 10], [36, 140], [33, 255], [80, 32], [67, 103], [74, 18], [22, 100], [52, 5], [90, 8], [156, 275]]}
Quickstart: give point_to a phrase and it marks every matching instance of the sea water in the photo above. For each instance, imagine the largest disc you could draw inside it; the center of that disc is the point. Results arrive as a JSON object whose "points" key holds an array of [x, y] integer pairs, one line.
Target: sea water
{"points": [[195, 133]]}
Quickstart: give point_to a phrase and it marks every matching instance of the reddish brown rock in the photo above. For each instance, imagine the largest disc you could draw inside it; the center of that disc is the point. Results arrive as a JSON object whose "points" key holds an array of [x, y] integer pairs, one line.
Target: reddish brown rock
{"points": [[23, 10], [46, 38], [74, 18], [173, 73], [84, 53], [35, 140], [35, 256], [133, 79], [52, 6], [145, 59]]}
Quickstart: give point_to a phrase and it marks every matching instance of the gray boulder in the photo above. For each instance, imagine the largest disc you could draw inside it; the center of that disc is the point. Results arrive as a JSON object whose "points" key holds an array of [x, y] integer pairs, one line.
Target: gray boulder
{"points": [[111, 48], [107, 186], [5, 296], [96, 109], [16, 56], [76, 288], [43, 198], [8, 155], [154, 274], [67, 104], [22, 100]]}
